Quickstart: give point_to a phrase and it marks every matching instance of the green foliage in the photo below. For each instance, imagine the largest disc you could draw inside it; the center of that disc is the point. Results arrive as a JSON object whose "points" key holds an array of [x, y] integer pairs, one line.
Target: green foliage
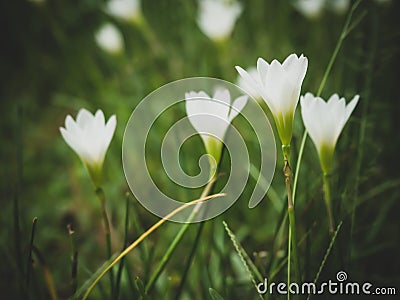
{"points": [[51, 66]]}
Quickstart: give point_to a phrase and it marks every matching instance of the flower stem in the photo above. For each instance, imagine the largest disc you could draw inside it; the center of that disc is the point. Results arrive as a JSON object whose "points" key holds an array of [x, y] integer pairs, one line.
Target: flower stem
{"points": [[178, 237], [328, 202], [121, 264], [292, 242], [100, 194], [29, 262], [74, 259]]}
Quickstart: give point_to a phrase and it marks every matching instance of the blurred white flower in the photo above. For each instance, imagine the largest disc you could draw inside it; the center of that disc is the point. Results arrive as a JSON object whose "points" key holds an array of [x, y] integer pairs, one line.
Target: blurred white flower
{"points": [[248, 88], [310, 8], [211, 116], [127, 10], [216, 18], [89, 136], [109, 38], [324, 121], [279, 85]]}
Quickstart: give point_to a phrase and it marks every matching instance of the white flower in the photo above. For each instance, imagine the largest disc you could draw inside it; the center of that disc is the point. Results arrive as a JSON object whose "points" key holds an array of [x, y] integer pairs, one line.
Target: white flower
{"points": [[310, 8], [248, 88], [109, 38], [127, 10], [324, 122], [90, 137], [279, 85], [217, 18], [211, 116]]}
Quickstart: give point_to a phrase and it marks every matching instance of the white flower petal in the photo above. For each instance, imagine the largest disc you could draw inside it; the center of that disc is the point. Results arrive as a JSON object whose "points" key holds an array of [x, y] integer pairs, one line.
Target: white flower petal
{"points": [[296, 68], [249, 87], [310, 110], [222, 103], [70, 123], [83, 118], [99, 118], [262, 67], [350, 107], [249, 80], [278, 89], [109, 131], [237, 107], [75, 143]]}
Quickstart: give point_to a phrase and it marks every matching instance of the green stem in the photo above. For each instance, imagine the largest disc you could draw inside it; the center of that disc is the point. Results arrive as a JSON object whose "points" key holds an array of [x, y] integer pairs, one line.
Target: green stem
{"points": [[189, 260], [121, 263], [292, 242], [100, 194], [29, 262], [328, 202], [177, 239], [74, 259]]}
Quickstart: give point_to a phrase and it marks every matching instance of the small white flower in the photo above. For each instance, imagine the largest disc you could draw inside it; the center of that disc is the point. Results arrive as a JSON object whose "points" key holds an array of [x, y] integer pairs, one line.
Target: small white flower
{"points": [[217, 18], [310, 8], [89, 136], [324, 121], [248, 88], [127, 10], [279, 85], [211, 116], [109, 38]]}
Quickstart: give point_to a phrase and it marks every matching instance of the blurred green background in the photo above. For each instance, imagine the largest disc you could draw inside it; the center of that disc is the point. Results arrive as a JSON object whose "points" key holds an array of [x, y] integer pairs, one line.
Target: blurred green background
{"points": [[52, 66]]}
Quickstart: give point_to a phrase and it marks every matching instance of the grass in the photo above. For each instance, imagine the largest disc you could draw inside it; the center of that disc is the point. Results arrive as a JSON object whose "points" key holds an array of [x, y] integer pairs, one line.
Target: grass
{"points": [[51, 67]]}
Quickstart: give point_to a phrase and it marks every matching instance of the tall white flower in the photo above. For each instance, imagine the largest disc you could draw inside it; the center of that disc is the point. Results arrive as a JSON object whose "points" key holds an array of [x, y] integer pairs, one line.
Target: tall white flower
{"points": [[324, 122], [216, 18], [89, 136], [279, 85], [109, 38], [127, 10], [211, 116], [248, 88]]}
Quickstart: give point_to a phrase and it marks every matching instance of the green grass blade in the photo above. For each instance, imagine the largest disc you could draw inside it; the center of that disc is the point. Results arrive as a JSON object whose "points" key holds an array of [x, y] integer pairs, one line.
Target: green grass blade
{"points": [[214, 294], [328, 251], [249, 266]]}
